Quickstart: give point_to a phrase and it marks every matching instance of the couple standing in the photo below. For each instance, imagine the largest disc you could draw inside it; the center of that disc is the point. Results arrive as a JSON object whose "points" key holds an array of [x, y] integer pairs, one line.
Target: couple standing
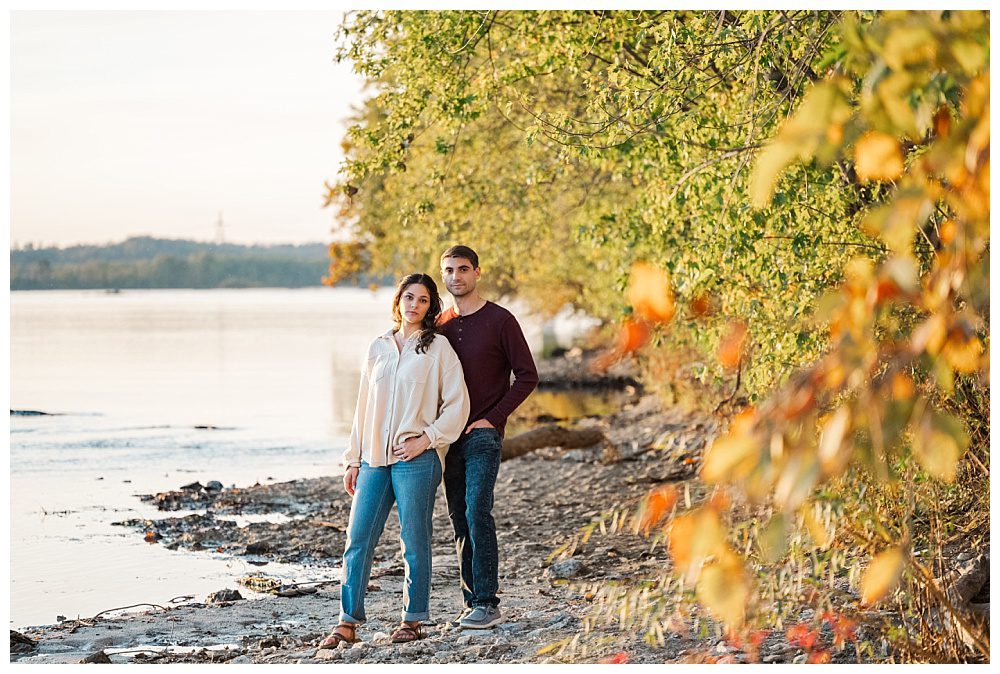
{"points": [[439, 380]]}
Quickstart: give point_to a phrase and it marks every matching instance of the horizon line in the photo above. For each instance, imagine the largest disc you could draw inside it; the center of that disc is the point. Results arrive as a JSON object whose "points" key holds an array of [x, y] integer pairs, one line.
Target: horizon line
{"points": [[16, 245]]}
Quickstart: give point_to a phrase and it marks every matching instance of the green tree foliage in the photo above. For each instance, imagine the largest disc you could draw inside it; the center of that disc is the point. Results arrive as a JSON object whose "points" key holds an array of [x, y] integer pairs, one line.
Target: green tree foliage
{"points": [[814, 185], [568, 145], [144, 262]]}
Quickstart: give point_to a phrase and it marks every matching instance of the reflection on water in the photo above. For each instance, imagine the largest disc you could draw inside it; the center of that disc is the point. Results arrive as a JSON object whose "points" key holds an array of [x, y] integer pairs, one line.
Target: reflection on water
{"points": [[547, 406], [130, 377], [287, 360], [150, 390]]}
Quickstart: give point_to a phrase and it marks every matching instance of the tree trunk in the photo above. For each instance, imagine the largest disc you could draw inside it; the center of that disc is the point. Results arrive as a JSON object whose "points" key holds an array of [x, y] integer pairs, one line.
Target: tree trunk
{"points": [[550, 436]]}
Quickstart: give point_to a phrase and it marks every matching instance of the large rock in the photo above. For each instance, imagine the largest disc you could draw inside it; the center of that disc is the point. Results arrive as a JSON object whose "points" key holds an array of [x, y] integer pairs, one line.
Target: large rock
{"points": [[565, 569], [98, 658], [20, 643], [223, 596]]}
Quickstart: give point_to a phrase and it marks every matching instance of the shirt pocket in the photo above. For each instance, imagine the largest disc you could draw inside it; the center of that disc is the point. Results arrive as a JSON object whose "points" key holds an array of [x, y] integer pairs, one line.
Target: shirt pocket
{"points": [[416, 369], [379, 369]]}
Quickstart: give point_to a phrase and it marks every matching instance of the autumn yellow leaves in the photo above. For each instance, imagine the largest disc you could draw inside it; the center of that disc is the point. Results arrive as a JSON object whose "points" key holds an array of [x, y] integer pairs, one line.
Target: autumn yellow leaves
{"points": [[882, 575], [878, 156], [906, 120]]}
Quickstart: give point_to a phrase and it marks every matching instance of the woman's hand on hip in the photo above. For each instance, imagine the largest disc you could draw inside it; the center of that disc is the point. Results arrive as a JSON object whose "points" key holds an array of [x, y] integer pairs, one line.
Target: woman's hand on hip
{"points": [[411, 448], [351, 479]]}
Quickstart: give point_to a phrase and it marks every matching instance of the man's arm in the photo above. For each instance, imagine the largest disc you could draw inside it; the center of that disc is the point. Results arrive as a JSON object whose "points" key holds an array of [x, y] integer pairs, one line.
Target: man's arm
{"points": [[523, 366]]}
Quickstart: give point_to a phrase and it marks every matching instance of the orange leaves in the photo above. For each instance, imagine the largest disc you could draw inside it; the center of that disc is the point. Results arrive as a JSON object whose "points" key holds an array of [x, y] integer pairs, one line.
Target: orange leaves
{"points": [[616, 659], [942, 121], [658, 505], [962, 349], [347, 260], [947, 231], [695, 536], [929, 336], [878, 156], [632, 336], [882, 575], [650, 294], [731, 346], [701, 554], [818, 657], [902, 387], [939, 440], [701, 306], [798, 401], [802, 636], [729, 456], [652, 302], [808, 638], [844, 629], [723, 588], [886, 290], [834, 450], [151, 537], [732, 454]]}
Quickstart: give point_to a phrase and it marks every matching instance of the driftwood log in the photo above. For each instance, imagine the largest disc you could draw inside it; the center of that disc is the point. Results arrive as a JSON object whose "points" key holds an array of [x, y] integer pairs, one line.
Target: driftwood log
{"points": [[552, 435], [962, 585]]}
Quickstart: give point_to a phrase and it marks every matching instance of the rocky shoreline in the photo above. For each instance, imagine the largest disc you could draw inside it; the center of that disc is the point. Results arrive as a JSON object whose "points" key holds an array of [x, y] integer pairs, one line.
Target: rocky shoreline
{"points": [[547, 569], [542, 501]]}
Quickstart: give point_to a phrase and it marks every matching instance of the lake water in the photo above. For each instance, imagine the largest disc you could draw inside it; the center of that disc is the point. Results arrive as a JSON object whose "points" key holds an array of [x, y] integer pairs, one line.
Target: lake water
{"points": [[125, 381]]}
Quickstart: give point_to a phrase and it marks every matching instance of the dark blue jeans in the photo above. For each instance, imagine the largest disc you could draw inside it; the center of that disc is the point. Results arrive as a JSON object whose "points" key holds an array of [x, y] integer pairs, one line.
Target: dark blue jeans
{"points": [[470, 474]]}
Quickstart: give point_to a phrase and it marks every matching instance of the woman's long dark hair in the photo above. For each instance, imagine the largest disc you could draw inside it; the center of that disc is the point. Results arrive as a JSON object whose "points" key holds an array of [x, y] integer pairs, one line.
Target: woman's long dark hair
{"points": [[428, 326]]}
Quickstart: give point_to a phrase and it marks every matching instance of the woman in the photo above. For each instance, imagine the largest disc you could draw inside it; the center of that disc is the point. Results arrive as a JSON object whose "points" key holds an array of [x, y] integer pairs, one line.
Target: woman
{"points": [[412, 404]]}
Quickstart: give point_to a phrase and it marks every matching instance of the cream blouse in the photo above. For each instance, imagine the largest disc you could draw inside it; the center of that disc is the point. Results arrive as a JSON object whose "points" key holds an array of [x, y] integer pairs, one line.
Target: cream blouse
{"points": [[403, 394]]}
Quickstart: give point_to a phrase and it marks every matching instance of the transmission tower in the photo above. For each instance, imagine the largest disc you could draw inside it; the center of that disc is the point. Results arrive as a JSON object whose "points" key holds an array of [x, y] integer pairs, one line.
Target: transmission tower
{"points": [[220, 230]]}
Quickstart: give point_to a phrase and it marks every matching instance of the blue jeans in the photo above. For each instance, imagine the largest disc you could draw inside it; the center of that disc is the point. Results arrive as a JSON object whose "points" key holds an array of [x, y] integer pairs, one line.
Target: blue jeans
{"points": [[470, 475], [412, 485]]}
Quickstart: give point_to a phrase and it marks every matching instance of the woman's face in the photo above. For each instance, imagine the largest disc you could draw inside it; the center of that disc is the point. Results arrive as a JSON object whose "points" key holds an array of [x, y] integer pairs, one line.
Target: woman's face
{"points": [[414, 303]]}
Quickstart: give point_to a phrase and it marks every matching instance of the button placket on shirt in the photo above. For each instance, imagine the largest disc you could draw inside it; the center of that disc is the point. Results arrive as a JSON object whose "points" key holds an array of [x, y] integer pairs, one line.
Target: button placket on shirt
{"points": [[397, 357]]}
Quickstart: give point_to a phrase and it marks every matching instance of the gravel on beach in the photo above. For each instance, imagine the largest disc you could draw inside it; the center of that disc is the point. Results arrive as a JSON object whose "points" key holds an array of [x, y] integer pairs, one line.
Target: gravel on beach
{"points": [[542, 501]]}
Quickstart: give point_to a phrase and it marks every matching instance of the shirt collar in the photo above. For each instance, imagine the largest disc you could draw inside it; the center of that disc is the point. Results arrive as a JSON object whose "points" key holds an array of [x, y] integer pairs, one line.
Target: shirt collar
{"points": [[388, 335]]}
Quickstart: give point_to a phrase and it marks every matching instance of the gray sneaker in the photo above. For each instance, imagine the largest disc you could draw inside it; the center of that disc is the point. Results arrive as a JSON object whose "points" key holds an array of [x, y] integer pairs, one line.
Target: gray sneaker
{"points": [[454, 622], [481, 618]]}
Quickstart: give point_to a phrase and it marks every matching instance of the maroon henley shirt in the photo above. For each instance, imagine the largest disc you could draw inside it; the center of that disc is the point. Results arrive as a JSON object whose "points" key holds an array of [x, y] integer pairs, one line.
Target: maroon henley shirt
{"points": [[490, 345]]}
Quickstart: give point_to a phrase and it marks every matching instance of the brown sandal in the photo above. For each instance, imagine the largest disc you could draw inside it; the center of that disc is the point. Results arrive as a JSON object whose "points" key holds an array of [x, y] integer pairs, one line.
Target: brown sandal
{"points": [[406, 633], [336, 638]]}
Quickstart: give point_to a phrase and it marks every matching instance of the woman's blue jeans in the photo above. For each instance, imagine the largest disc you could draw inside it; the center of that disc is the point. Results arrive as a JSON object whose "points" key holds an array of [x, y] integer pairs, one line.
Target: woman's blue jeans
{"points": [[411, 485]]}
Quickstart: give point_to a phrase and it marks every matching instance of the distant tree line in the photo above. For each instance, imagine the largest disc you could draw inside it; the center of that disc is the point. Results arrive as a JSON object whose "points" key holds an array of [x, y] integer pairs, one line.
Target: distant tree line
{"points": [[146, 262]]}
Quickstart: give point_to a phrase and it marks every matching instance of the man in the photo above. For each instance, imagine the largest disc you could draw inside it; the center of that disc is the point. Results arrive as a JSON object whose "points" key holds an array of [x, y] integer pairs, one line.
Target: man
{"points": [[490, 345]]}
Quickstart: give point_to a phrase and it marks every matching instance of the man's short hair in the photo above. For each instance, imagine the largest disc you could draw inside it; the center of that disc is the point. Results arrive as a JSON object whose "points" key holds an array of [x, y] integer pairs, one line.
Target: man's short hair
{"points": [[462, 251]]}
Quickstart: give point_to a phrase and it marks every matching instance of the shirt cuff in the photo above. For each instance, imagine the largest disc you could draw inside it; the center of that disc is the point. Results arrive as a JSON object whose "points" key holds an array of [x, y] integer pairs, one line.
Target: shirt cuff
{"points": [[433, 435], [494, 419]]}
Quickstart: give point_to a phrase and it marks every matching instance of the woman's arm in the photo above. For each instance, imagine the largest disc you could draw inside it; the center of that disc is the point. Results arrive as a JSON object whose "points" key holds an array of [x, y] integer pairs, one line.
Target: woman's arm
{"points": [[453, 411], [352, 455]]}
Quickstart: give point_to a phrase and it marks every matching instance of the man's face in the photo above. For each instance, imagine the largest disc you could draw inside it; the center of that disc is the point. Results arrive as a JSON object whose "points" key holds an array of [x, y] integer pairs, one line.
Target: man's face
{"points": [[459, 276]]}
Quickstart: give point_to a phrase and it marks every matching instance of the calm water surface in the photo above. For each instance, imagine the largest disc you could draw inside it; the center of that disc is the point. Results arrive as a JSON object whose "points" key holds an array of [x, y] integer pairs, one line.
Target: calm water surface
{"points": [[125, 380]]}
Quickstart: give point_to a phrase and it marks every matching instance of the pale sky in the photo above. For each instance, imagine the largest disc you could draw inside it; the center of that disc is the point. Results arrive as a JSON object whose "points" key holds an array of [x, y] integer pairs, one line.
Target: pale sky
{"points": [[151, 123]]}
